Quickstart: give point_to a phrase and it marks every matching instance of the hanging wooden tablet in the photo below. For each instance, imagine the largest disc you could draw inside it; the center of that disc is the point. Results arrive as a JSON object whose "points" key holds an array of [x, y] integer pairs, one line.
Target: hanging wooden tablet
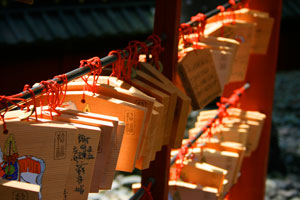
{"points": [[158, 141], [159, 96], [241, 31], [82, 164], [231, 147], [234, 133], [182, 105], [38, 153], [232, 44], [145, 161], [112, 158], [263, 27], [139, 98], [204, 175], [168, 89], [253, 119], [223, 159], [132, 115], [101, 170], [223, 57], [179, 190], [199, 77], [223, 62], [164, 99], [15, 190], [155, 142], [120, 90]]}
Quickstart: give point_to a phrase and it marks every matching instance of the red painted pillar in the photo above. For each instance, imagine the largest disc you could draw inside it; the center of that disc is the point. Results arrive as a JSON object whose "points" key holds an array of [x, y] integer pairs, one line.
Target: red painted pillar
{"points": [[261, 76]]}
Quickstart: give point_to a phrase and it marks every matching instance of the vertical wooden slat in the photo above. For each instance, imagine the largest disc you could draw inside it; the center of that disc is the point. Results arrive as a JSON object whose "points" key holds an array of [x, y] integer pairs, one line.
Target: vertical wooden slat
{"points": [[167, 19], [261, 76]]}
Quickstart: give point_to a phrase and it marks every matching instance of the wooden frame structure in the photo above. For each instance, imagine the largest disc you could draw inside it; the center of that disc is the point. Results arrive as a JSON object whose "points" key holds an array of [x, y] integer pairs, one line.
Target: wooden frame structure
{"points": [[261, 76]]}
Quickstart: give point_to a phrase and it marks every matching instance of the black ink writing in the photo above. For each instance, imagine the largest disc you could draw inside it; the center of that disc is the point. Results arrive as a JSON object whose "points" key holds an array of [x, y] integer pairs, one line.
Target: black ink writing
{"points": [[81, 154]]}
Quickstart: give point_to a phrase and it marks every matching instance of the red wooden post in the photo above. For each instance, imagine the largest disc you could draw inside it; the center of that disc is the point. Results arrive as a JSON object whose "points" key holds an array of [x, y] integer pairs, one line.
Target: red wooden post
{"points": [[167, 19], [261, 76]]}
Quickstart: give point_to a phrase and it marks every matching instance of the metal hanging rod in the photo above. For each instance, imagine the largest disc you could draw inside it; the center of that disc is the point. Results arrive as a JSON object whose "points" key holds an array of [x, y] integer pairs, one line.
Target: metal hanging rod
{"points": [[76, 73], [108, 60], [213, 12]]}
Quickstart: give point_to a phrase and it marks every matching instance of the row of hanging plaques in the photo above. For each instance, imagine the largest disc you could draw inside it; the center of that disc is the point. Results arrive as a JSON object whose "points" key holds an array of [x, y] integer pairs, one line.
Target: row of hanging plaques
{"points": [[77, 149], [220, 56], [119, 125], [213, 165]]}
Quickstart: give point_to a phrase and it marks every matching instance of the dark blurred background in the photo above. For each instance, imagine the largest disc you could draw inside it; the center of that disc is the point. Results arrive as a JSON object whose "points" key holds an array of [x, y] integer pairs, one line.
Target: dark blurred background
{"points": [[50, 37]]}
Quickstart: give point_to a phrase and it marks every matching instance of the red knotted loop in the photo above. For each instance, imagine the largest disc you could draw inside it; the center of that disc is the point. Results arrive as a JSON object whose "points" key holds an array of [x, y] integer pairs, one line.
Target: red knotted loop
{"points": [[210, 123], [200, 17], [221, 8], [95, 66], [222, 112], [55, 96], [147, 194], [4, 100], [155, 50], [133, 58], [186, 33], [27, 88], [234, 98], [181, 157], [232, 2], [246, 4], [64, 86], [118, 65], [127, 67], [185, 27]]}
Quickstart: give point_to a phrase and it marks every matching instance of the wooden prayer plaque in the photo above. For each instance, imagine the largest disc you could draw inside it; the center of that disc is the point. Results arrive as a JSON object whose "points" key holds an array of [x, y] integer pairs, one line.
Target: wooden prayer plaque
{"points": [[187, 191], [182, 106], [132, 115], [38, 153], [199, 77], [241, 31], [15, 190]]}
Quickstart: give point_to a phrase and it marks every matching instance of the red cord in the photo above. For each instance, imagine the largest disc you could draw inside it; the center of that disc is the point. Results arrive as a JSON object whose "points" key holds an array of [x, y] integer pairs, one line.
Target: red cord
{"points": [[211, 123], [133, 58], [155, 50], [232, 2], [185, 32], [147, 194], [95, 66], [222, 9], [118, 65], [4, 100], [201, 19], [27, 87], [55, 94]]}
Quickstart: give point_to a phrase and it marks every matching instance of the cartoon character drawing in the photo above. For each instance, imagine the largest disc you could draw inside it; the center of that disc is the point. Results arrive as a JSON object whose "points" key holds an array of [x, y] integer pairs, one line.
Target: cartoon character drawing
{"points": [[26, 168]]}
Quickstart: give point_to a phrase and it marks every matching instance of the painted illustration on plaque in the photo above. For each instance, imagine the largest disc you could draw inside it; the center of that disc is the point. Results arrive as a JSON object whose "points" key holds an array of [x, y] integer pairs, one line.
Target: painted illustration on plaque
{"points": [[27, 168]]}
